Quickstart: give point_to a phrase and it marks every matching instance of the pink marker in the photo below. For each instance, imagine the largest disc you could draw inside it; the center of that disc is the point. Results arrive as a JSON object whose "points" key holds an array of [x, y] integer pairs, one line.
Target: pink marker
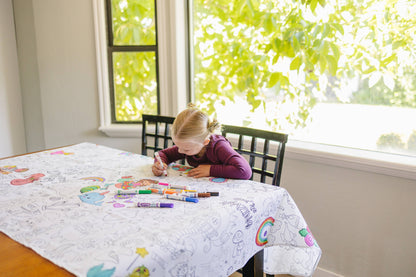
{"points": [[161, 163]]}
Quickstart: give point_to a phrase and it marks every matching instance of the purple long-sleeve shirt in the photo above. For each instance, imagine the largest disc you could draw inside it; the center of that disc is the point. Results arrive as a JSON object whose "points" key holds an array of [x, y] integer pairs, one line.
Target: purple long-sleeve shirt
{"points": [[224, 160]]}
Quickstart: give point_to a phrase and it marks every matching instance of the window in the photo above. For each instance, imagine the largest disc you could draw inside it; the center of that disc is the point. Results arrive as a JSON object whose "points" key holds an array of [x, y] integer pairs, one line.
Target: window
{"points": [[330, 72], [256, 59], [132, 56], [140, 71]]}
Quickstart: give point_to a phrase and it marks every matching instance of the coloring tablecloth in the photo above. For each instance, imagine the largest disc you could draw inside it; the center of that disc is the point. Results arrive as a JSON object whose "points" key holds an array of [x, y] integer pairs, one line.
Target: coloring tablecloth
{"points": [[63, 204]]}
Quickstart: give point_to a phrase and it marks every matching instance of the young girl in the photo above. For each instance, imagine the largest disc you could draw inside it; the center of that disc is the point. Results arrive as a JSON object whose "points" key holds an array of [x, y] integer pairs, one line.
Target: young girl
{"points": [[210, 154]]}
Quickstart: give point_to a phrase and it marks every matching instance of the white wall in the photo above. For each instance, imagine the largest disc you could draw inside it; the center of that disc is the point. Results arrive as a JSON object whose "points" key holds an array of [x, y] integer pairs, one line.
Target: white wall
{"points": [[58, 73], [12, 135], [364, 222]]}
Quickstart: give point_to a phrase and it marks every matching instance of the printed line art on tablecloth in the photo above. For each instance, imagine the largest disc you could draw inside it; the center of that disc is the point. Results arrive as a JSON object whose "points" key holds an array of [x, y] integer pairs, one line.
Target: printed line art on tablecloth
{"points": [[93, 198], [127, 153], [98, 271], [309, 238], [89, 188], [128, 182], [140, 271], [218, 180], [32, 178], [181, 168], [96, 179], [61, 152], [96, 194], [124, 198], [7, 169]]}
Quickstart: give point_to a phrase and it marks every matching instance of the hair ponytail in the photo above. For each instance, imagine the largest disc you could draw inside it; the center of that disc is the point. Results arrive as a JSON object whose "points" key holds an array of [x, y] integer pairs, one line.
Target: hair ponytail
{"points": [[213, 125]]}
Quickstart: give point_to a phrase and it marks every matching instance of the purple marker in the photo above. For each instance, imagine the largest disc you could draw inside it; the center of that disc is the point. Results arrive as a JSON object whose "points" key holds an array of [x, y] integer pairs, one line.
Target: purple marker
{"points": [[155, 205]]}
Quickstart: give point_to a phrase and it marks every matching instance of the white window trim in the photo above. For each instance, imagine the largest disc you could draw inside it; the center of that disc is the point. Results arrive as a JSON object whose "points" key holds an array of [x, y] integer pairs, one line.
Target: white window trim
{"points": [[173, 95]]}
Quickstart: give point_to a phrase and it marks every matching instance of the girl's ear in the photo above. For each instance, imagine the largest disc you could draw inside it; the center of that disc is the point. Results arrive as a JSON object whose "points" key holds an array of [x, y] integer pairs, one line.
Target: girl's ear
{"points": [[206, 141]]}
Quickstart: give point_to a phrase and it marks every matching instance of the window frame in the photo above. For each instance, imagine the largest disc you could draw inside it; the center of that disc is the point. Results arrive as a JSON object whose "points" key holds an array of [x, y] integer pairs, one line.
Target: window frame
{"points": [[175, 92], [173, 72], [112, 48]]}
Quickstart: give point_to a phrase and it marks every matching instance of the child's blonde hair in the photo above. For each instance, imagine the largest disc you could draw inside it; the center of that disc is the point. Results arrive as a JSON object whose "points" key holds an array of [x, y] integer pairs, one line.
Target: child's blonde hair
{"points": [[192, 124]]}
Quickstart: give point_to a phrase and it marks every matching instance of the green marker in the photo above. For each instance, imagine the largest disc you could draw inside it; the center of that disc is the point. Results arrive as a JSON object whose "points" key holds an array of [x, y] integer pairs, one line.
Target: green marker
{"points": [[132, 192]]}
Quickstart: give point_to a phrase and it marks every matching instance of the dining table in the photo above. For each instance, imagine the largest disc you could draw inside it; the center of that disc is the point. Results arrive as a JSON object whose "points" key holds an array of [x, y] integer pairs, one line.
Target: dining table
{"points": [[96, 211]]}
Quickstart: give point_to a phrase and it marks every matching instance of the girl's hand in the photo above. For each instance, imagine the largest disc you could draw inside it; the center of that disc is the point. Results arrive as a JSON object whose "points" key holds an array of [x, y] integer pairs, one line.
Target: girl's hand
{"points": [[157, 169], [200, 171]]}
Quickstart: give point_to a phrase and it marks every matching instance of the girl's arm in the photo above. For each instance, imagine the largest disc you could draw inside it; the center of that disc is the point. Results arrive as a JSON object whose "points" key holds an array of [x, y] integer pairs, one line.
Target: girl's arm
{"points": [[233, 165]]}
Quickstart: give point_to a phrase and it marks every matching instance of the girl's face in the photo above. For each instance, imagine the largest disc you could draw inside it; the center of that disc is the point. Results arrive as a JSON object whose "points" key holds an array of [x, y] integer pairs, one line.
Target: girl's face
{"points": [[189, 148]]}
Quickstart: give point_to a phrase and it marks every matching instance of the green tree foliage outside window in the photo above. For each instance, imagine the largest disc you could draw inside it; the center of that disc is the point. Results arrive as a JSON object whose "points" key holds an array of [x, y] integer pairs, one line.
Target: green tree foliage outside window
{"points": [[283, 57]]}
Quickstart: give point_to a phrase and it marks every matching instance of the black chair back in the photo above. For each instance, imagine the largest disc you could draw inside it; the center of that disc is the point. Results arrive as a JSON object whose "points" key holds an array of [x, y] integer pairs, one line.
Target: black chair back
{"points": [[264, 151], [156, 133]]}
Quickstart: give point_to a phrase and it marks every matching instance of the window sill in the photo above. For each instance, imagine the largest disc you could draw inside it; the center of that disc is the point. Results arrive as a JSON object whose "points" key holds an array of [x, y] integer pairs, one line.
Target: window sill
{"points": [[369, 161], [122, 130]]}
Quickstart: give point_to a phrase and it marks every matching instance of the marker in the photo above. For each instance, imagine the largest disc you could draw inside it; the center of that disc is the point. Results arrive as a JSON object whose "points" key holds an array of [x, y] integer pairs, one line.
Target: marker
{"points": [[180, 187], [161, 163], [131, 192], [182, 198], [163, 191], [196, 194], [164, 184], [155, 205], [213, 193], [160, 185]]}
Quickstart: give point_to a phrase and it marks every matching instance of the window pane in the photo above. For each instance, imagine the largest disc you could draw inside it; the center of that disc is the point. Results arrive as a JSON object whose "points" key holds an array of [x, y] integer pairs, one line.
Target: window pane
{"points": [[135, 85], [342, 74], [133, 22]]}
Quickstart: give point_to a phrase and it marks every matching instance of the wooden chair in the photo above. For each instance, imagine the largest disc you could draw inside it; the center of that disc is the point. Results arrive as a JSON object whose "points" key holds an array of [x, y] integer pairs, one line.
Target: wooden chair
{"points": [[156, 133], [264, 150]]}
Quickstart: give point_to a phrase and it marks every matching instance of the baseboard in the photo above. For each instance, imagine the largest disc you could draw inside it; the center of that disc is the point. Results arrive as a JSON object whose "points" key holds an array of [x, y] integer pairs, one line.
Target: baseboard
{"points": [[320, 272]]}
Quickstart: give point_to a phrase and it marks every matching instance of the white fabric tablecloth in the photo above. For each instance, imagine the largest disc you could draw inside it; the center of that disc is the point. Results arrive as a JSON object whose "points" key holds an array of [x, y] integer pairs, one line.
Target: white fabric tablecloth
{"points": [[63, 204]]}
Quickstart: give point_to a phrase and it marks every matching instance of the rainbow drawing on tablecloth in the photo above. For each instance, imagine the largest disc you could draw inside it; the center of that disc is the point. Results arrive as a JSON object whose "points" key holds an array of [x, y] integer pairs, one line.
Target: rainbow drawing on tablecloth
{"points": [[262, 232], [96, 179], [89, 188]]}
